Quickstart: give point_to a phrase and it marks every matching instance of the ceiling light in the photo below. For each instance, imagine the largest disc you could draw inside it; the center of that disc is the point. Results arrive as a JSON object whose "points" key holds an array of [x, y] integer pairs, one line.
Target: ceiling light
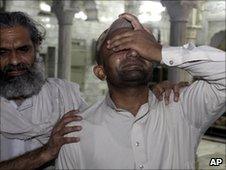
{"points": [[80, 15], [48, 26], [150, 11], [45, 7]]}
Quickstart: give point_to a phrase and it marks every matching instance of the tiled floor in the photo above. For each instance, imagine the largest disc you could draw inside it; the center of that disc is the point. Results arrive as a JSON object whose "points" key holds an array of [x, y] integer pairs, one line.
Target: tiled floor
{"points": [[208, 149]]}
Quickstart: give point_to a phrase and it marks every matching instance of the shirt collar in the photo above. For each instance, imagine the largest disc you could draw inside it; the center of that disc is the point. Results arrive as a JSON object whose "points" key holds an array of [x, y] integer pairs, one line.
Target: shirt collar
{"points": [[144, 109], [26, 104]]}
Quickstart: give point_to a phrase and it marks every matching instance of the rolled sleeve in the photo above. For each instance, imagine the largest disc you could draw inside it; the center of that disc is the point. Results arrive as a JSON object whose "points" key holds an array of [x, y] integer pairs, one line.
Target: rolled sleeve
{"points": [[175, 56], [203, 101]]}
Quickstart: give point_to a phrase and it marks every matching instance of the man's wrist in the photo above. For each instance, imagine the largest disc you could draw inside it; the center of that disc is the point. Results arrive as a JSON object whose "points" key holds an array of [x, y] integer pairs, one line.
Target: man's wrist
{"points": [[46, 153], [158, 53]]}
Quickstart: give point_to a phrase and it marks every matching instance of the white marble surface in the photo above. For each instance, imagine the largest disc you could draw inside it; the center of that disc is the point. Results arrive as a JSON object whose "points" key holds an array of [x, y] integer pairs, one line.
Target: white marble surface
{"points": [[207, 150]]}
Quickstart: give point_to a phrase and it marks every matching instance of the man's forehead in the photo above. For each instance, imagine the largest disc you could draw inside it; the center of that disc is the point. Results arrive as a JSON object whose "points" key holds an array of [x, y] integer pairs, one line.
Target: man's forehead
{"points": [[18, 29], [14, 35], [117, 32]]}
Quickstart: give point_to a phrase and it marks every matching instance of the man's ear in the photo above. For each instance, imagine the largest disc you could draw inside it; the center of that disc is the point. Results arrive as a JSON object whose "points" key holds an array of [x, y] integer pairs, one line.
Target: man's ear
{"points": [[99, 72]]}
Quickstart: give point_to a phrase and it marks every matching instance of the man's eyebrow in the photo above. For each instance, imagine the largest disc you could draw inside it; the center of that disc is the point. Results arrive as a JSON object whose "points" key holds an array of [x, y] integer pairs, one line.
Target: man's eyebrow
{"points": [[4, 49], [24, 46], [115, 52]]}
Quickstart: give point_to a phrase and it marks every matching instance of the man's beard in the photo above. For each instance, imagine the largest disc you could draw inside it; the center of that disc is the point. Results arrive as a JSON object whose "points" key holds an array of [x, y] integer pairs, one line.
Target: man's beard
{"points": [[134, 78], [25, 85], [133, 75]]}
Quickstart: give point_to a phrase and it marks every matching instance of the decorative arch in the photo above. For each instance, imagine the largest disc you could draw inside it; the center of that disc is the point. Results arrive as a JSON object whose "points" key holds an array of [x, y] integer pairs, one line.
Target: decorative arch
{"points": [[91, 10]]}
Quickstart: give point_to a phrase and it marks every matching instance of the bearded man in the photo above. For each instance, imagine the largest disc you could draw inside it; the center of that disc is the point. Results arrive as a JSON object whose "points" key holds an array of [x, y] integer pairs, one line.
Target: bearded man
{"points": [[31, 104], [130, 128]]}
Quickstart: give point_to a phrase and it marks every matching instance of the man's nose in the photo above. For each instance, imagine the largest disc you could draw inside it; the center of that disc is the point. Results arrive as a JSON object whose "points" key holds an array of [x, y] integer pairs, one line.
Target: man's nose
{"points": [[14, 59], [131, 53]]}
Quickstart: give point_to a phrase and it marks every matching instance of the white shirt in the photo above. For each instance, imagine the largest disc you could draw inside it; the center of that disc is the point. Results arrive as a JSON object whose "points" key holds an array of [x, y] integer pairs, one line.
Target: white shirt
{"points": [[28, 126], [160, 136]]}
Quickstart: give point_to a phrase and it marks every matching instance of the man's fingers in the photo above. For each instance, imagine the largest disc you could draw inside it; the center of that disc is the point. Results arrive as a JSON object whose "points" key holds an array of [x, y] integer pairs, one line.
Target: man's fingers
{"points": [[69, 129], [183, 84], [119, 42], [158, 91], [67, 120], [167, 96], [176, 96], [146, 29], [70, 113], [64, 121], [120, 36], [158, 95], [67, 140], [134, 21], [123, 46], [176, 89]]}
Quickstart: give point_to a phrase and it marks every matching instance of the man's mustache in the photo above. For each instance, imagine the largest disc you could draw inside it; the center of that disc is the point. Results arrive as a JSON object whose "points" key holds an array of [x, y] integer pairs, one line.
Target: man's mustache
{"points": [[132, 60], [18, 67]]}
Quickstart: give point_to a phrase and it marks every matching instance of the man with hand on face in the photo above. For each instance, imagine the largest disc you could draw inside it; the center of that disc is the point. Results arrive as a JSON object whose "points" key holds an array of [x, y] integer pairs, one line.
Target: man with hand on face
{"points": [[130, 128], [34, 111]]}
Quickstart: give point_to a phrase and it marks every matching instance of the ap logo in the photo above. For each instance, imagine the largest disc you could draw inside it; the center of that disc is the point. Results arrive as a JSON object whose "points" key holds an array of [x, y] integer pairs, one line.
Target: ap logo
{"points": [[215, 161]]}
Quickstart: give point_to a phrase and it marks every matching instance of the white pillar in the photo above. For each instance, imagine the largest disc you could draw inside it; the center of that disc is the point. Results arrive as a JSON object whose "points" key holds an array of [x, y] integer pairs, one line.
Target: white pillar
{"points": [[178, 11], [91, 10], [132, 7], [64, 11]]}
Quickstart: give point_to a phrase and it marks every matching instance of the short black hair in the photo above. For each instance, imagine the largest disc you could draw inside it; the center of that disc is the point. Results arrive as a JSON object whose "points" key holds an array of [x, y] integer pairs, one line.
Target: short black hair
{"points": [[98, 47], [11, 19], [98, 56]]}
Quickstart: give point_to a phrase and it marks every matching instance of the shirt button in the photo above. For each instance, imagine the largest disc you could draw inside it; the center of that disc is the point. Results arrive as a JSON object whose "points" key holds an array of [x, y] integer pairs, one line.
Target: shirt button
{"points": [[141, 166], [137, 143], [171, 62]]}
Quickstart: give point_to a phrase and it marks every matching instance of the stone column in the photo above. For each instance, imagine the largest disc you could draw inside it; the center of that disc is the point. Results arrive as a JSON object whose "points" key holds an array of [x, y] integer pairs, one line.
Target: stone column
{"points": [[2, 5], [91, 10], [50, 64], [64, 11], [195, 23], [132, 7], [178, 11]]}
